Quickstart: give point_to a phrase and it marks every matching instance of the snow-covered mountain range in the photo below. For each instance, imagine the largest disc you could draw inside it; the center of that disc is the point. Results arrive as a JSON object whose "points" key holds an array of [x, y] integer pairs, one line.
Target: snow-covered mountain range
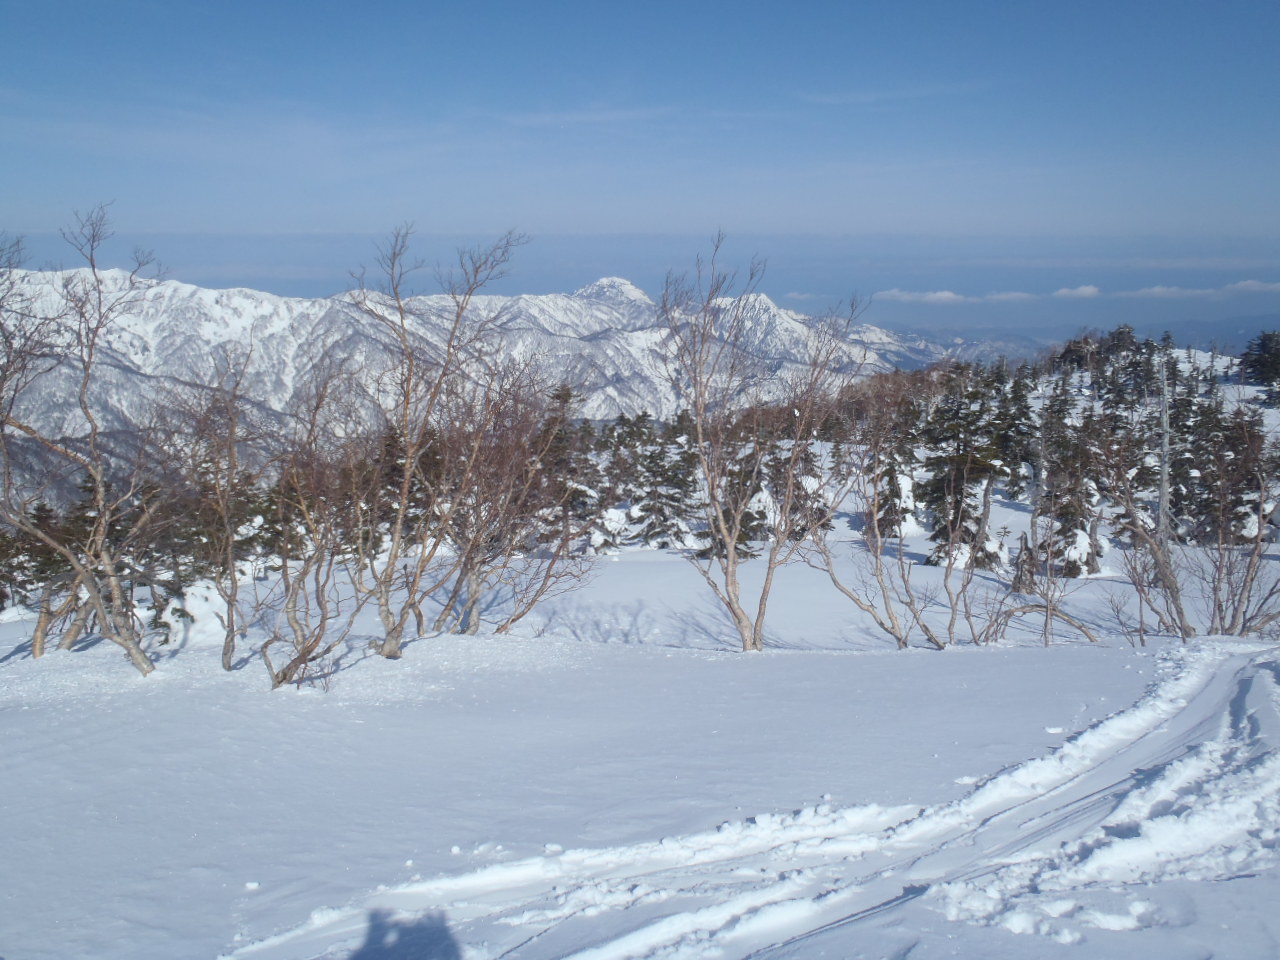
{"points": [[606, 340]]}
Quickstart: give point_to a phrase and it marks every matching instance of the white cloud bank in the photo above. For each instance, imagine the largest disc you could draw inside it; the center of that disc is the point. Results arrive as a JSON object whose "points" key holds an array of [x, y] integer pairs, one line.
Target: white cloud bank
{"points": [[1183, 293], [1085, 292], [1168, 293], [931, 296], [1252, 286], [950, 296]]}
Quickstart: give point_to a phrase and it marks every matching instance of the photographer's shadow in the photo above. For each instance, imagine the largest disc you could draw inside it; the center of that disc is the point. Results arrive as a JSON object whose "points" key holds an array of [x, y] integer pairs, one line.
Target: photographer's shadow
{"points": [[424, 938]]}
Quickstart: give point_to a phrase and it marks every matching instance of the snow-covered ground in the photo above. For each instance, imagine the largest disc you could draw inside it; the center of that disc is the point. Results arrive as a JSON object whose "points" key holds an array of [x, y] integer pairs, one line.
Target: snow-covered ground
{"points": [[616, 782]]}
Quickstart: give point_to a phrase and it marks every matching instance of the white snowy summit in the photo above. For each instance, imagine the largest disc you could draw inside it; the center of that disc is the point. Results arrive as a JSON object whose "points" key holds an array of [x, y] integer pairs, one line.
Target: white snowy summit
{"points": [[614, 290]]}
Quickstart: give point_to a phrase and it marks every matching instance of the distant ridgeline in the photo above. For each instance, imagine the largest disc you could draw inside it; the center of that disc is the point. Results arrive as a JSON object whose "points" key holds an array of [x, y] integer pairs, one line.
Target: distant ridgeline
{"points": [[606, 340]]}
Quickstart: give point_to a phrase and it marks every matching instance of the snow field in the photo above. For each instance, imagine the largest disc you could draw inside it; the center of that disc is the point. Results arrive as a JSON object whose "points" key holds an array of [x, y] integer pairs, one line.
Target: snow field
{"points": [[1184, 784], [614, 783]]}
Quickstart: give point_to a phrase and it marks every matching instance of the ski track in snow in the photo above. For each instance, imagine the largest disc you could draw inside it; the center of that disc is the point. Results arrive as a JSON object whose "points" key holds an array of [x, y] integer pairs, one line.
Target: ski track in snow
{"points": [[1182, 785]]}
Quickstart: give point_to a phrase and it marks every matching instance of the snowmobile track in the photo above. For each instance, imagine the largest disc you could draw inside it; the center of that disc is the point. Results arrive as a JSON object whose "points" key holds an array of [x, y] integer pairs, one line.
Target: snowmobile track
{"points": [[1184, 784]]}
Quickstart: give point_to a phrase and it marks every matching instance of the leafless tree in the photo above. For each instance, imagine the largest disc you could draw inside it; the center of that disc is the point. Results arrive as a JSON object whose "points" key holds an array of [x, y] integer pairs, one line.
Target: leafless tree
{"points": [[218, 452], [1151, 559], [737, 440], [515, 515], [1228, 564], [424, 375], [68, 328], [317, 523], [865, 477]]}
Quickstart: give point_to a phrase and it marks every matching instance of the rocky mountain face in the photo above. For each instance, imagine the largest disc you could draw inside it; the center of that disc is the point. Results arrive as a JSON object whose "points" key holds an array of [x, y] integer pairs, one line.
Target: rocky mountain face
{"points": [[605, 340]]}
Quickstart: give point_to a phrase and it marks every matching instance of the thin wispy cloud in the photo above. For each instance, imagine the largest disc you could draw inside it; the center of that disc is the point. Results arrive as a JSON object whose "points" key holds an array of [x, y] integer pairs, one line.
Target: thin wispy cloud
{"points": [[588, 117], [1115, 263], [274, 129], [867, 98]]}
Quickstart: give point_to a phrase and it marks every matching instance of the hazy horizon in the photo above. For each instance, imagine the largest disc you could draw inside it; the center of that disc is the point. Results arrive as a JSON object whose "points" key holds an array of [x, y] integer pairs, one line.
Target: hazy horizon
{"points": [[1041, 288]]}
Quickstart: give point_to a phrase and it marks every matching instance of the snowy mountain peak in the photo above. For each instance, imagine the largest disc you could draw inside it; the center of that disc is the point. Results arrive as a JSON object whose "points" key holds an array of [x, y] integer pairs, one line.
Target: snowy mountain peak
{"points": [[613, 290], [757, 305]]}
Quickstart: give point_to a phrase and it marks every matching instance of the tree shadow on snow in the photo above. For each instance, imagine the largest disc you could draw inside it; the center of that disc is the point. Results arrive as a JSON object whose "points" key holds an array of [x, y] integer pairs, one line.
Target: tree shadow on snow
{"points": [[20, 652], [424, 938], [23, 652], [896, 551], [641, 622]]}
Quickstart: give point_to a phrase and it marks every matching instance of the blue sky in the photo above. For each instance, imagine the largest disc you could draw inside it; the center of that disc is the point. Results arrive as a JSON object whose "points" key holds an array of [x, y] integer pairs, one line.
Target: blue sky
{"points": [[935, 158]]}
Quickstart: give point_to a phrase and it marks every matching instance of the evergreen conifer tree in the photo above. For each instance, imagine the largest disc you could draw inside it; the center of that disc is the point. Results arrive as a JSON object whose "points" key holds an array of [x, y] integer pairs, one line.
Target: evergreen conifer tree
{"points": [[963, 464], [1260, 362], [1015, 432], [1069, 497], [664, 509]]}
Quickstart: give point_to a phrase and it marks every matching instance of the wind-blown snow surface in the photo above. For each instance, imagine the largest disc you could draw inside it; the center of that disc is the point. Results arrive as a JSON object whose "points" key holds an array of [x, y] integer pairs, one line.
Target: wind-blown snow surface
{"points": [[619, 785]]}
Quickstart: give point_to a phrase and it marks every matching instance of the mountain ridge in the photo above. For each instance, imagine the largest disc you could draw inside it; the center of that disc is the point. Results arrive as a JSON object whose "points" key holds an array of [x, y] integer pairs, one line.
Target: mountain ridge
{"points": [[605, 339]]}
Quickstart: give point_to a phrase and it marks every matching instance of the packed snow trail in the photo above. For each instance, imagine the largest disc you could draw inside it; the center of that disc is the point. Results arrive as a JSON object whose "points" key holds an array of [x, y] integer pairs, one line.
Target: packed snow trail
{"points": [[1182, 785]]}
